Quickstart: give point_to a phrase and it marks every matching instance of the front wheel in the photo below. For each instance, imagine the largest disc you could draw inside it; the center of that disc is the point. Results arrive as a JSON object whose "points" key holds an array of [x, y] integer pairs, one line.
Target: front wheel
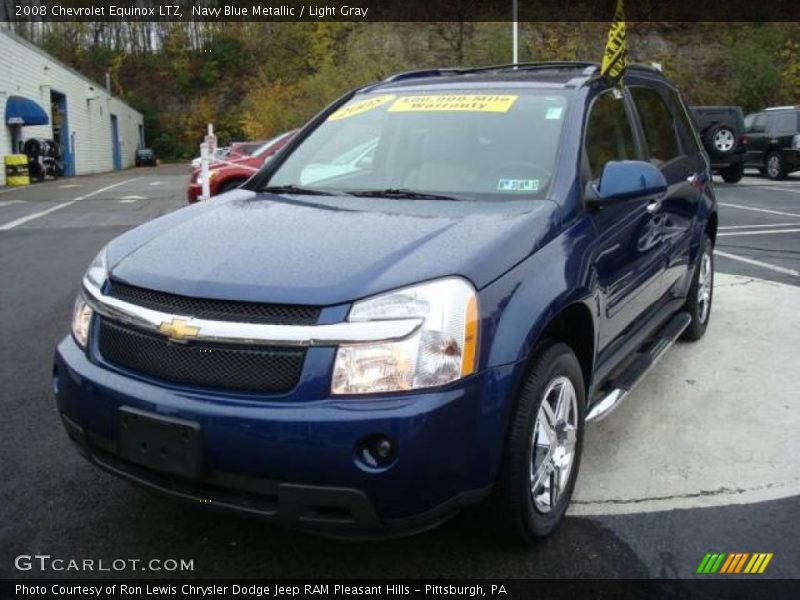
{"points": [[701, 293], [543, 448]]}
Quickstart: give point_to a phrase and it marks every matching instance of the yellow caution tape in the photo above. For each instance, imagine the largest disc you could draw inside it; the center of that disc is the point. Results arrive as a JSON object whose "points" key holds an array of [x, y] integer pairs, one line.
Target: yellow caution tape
{"points": [[456, 102], [359, 107], [615, 55]]}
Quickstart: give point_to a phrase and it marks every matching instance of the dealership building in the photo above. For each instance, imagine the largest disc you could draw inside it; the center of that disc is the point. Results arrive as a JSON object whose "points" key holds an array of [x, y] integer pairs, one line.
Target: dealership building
{"points": [[41, 97]]}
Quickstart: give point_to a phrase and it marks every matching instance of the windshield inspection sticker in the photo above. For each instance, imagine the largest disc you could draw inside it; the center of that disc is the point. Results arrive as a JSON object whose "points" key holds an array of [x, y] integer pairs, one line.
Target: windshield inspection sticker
{"points": [[553, 112], [458, 102], [359, 107], [518, 185]]}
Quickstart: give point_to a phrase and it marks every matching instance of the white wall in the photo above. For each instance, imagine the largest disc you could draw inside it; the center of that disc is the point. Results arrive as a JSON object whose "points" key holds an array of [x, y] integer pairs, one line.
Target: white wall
{"points": [[29, 72]]}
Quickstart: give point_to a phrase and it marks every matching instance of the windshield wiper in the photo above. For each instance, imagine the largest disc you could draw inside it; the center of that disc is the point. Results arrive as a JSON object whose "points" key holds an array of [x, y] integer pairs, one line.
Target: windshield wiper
{"points": [[403, 193], [294, 189]]}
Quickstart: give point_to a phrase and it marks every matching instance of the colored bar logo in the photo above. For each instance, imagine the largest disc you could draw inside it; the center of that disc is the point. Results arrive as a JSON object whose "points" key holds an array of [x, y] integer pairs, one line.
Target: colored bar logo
{"points": [[736, 562]]}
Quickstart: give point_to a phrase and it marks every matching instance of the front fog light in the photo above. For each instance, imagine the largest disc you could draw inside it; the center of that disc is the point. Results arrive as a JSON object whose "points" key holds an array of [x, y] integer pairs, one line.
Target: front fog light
{"points": [[442, 350], [81, 320]]}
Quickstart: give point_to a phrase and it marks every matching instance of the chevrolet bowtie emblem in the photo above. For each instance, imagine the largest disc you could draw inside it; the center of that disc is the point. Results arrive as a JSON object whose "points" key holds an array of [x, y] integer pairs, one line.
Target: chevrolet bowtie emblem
{"points": [[178, 329]]}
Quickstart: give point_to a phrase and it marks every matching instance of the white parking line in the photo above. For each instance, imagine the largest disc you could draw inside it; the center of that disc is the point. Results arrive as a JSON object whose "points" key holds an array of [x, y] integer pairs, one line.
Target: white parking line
{"points": [[758, 263], [8, 202], [25, 219], [759, 232], [757, 226], [763, 210], [792, 190]]}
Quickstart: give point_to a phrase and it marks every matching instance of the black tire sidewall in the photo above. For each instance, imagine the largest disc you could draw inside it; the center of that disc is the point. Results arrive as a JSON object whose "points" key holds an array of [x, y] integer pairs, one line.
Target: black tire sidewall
{"points": [[554, 359], [732, 173]]}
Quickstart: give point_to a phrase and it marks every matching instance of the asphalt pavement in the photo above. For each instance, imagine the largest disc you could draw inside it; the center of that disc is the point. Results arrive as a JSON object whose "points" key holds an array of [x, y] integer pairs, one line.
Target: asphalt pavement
{"points": [[53, 502]]}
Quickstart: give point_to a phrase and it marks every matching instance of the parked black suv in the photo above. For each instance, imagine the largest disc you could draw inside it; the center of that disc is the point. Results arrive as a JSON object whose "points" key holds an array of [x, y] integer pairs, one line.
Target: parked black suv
{"points": [[773, 141], [721, 129]]}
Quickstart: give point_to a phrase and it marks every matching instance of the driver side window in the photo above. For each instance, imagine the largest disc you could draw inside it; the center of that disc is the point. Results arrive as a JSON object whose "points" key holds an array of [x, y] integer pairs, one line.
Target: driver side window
{"points": [[608, 133]]}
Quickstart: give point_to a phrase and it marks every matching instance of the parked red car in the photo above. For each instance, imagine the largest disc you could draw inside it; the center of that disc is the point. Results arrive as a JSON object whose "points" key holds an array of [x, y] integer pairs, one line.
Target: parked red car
{"points": [[230, 173]]}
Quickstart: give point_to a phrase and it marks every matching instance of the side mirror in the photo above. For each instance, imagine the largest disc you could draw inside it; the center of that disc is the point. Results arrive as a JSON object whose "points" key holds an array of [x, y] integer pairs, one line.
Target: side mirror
{"points": [[626, 180]]}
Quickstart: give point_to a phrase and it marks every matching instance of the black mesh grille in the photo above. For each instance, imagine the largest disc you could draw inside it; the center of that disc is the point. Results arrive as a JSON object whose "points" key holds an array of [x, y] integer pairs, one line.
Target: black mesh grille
{"points": [[216, 310], [231, 367]]}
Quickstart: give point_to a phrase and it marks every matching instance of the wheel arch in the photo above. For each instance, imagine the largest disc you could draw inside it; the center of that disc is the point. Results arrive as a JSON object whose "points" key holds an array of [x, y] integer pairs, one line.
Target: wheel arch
{"points": [[711, 227]]}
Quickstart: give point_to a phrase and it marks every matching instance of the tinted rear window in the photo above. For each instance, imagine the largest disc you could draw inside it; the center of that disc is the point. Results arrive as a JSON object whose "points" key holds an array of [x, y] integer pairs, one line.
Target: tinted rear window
{"points": [[658, 125], [785, 122]]}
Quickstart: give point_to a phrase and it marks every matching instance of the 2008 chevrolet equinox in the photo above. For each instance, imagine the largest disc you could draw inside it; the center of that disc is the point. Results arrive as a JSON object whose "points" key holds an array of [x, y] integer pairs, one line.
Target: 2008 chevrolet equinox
{"points": [[416, 306]]}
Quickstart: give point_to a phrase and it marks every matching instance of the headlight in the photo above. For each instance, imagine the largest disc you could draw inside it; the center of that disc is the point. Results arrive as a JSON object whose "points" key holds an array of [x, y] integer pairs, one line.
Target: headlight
{"points": [[199, 178], [442, 350], [82, 313], [81, 319]]}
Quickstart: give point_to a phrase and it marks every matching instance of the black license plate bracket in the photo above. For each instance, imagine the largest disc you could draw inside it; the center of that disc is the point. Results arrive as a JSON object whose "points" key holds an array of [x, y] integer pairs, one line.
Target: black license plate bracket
{"points": [[164, 444]]}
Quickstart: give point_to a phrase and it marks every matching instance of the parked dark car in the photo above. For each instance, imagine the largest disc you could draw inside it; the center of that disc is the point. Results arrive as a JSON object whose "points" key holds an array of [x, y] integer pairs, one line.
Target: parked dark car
{"points": [[145, 157], [721, 129], [773, 141], [428, 330]]}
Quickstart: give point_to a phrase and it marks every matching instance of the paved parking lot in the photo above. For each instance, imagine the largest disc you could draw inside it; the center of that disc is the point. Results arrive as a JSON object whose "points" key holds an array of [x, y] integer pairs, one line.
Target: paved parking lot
{"points": [[703, 457]]}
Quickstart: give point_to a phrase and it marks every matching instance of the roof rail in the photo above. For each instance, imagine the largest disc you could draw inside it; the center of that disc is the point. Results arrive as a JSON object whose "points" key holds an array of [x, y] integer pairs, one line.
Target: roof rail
{"points": [[587, 69]]}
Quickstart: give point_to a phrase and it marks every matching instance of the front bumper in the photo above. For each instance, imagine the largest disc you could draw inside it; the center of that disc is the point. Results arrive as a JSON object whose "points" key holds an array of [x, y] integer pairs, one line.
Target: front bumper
{"points": [[294, 461]]}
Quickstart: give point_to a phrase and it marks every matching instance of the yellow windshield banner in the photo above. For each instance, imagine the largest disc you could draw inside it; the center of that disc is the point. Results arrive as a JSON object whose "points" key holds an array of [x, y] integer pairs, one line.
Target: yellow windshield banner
{"points": [[359, 107], [615, 55], [454, 102]]}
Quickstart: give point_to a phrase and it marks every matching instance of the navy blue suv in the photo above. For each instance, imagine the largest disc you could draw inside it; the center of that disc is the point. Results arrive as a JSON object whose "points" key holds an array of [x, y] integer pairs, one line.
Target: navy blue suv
{"points": [[416, 306]]}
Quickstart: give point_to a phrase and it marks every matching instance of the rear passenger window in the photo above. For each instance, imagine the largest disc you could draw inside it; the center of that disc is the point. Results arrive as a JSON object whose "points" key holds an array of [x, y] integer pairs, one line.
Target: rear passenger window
{"points": [[692, 143], [783, 122], [659, 130], [608, 134]]}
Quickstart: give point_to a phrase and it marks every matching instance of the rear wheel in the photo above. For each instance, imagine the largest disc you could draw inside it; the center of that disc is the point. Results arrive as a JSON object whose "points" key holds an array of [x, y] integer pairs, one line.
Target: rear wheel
{"points": [[543, 448], [776, 167], [701, 293], [732, 173]]}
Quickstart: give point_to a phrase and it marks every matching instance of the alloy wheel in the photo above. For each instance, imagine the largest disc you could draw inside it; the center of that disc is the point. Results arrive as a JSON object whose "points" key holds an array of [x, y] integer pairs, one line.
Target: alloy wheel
{"points": [[553, 447], [705, 281], [724, 140], [773, 166]]}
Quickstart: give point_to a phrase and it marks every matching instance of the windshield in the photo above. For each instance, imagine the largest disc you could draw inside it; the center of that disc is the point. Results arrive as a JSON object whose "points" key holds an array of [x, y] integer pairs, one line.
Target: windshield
{"points": [[491, 144]]}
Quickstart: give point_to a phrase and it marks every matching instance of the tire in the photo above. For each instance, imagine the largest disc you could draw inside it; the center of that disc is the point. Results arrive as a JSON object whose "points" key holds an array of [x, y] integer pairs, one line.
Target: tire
{"points": [[518, 512], [720, 140], [701, 293], [776, 166], [229, 185], [732, 173]]}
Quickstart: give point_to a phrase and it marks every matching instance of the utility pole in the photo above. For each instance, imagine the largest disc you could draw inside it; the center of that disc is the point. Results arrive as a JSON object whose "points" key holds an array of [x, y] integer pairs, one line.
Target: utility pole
{"points": [[515, 31]]}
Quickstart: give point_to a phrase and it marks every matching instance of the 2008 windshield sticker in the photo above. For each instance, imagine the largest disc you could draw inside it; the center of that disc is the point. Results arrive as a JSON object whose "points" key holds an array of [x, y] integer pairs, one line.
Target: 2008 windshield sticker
{"points": [[518, 185], [457, 102], [360, 107]]}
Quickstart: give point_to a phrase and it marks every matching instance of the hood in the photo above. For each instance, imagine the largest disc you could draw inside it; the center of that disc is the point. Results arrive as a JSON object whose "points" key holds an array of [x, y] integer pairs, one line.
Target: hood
{"points": [[325, 250]]}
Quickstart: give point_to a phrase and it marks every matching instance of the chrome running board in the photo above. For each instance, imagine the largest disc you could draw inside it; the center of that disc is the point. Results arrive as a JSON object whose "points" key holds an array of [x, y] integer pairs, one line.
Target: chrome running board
{"points": [[620, 387]]}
